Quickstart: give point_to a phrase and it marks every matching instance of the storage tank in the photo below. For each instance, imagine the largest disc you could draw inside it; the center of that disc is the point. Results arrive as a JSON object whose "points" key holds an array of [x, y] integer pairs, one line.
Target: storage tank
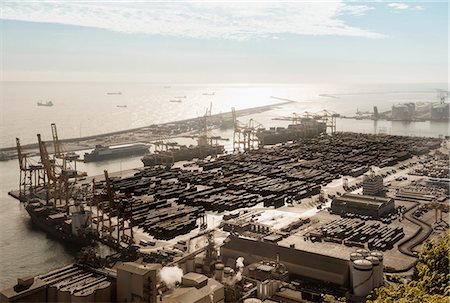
{"points": [[376, 271], [218, 274], [380, 276], [264, 289], [363, 252], [361, 272], [356, 256]]}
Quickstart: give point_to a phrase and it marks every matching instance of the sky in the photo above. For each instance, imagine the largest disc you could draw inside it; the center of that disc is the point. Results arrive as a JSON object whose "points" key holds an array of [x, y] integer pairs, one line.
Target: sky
{"points": [[225, 42]]}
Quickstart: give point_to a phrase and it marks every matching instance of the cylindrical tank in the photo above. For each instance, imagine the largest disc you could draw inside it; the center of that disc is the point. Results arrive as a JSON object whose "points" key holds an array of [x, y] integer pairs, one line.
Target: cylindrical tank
{"points": [[252, 300], [264, 290], [361, 272], [377, 273], [218, 271], [356, 256], [363, 252], [379, 256]]}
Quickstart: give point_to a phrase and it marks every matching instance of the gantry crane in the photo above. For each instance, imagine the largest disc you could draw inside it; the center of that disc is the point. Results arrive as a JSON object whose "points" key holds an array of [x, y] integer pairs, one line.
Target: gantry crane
{"points": [[245, 136], [58, 179], [32, 175], [326, 117], [59, 152], [54, 179], [124, 211]]}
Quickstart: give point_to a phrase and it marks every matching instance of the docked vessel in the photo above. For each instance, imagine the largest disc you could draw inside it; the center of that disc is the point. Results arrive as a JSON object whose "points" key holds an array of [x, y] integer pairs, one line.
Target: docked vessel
{"points": [[175, 101], [182, 153], [308, 128], [101, 152], [124, 105], [69, 226], [48, 103], [114, 93]]}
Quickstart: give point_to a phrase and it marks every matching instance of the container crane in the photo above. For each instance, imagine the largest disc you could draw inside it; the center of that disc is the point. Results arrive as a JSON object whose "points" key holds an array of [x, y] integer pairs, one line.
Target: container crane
{"points": [[245, 135], [66, 157], [31, 175]]}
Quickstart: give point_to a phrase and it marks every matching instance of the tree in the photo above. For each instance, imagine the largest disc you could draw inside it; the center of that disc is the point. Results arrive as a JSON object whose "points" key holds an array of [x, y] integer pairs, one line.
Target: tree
{"points": [[430, 279]]}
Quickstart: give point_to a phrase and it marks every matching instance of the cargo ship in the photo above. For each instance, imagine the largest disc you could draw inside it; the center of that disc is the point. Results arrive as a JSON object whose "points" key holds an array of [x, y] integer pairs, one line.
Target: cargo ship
{"points": [[182, 153], [308, 128], [70, 227], [48, 103], [101, 152]]}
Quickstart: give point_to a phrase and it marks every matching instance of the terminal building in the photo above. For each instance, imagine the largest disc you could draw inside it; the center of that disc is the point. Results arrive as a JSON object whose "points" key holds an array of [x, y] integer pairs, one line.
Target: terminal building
{"points": [[363, 205]]}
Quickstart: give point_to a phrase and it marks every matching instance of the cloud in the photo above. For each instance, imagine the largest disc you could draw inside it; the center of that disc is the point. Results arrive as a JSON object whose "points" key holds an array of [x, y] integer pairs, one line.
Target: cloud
{"points": [[398, 6], [201, 20]]}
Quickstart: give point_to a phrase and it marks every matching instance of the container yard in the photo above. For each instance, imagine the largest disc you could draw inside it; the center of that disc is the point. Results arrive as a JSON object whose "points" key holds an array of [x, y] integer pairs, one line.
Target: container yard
{"points": [[279, 221]]}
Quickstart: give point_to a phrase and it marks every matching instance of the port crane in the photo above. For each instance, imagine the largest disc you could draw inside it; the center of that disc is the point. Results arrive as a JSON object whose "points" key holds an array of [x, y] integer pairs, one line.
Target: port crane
{"points": [[124, 211], [59, 152], [324, 116], [57, 181], [32, 175], [245, 135]]}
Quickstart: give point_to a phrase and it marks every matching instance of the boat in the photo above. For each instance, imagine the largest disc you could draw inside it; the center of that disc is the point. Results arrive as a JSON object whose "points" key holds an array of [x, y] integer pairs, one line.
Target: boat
{"points": [[124, 105], [182, 153], [181, 97], [68, 227], [48, 103], [209, 94], [175, 101], [101, 152], [114, 93]]}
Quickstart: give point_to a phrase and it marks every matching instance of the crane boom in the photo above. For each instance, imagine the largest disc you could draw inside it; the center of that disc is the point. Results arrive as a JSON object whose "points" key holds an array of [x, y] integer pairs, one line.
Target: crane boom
{"points": [[56, 144], [20, 155]]}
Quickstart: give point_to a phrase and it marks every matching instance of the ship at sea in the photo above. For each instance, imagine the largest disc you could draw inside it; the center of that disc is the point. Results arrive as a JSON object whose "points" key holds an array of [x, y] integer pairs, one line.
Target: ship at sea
{"points": [[70, 224], [48, 103], [101, 152], [177, 152]]}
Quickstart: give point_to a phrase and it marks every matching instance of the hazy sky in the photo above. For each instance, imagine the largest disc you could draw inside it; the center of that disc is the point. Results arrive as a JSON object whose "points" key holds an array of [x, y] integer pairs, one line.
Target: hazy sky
{"points": [[220, 42]]}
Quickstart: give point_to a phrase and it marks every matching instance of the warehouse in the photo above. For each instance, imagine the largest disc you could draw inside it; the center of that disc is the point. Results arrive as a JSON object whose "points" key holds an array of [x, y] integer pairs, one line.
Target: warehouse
{"points": [[299, 263], [375, 207]]}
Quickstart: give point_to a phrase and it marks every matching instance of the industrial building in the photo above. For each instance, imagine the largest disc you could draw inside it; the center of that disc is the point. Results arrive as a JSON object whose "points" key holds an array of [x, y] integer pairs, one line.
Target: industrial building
{"points": [[195, 288], [72, 283], [136, 282], [373, 185], [299, 263], [371, 206]]}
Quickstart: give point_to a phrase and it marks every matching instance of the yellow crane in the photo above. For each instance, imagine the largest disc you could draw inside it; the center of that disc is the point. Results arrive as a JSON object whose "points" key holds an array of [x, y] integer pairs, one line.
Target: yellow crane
{"points": [[66, 157]]}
